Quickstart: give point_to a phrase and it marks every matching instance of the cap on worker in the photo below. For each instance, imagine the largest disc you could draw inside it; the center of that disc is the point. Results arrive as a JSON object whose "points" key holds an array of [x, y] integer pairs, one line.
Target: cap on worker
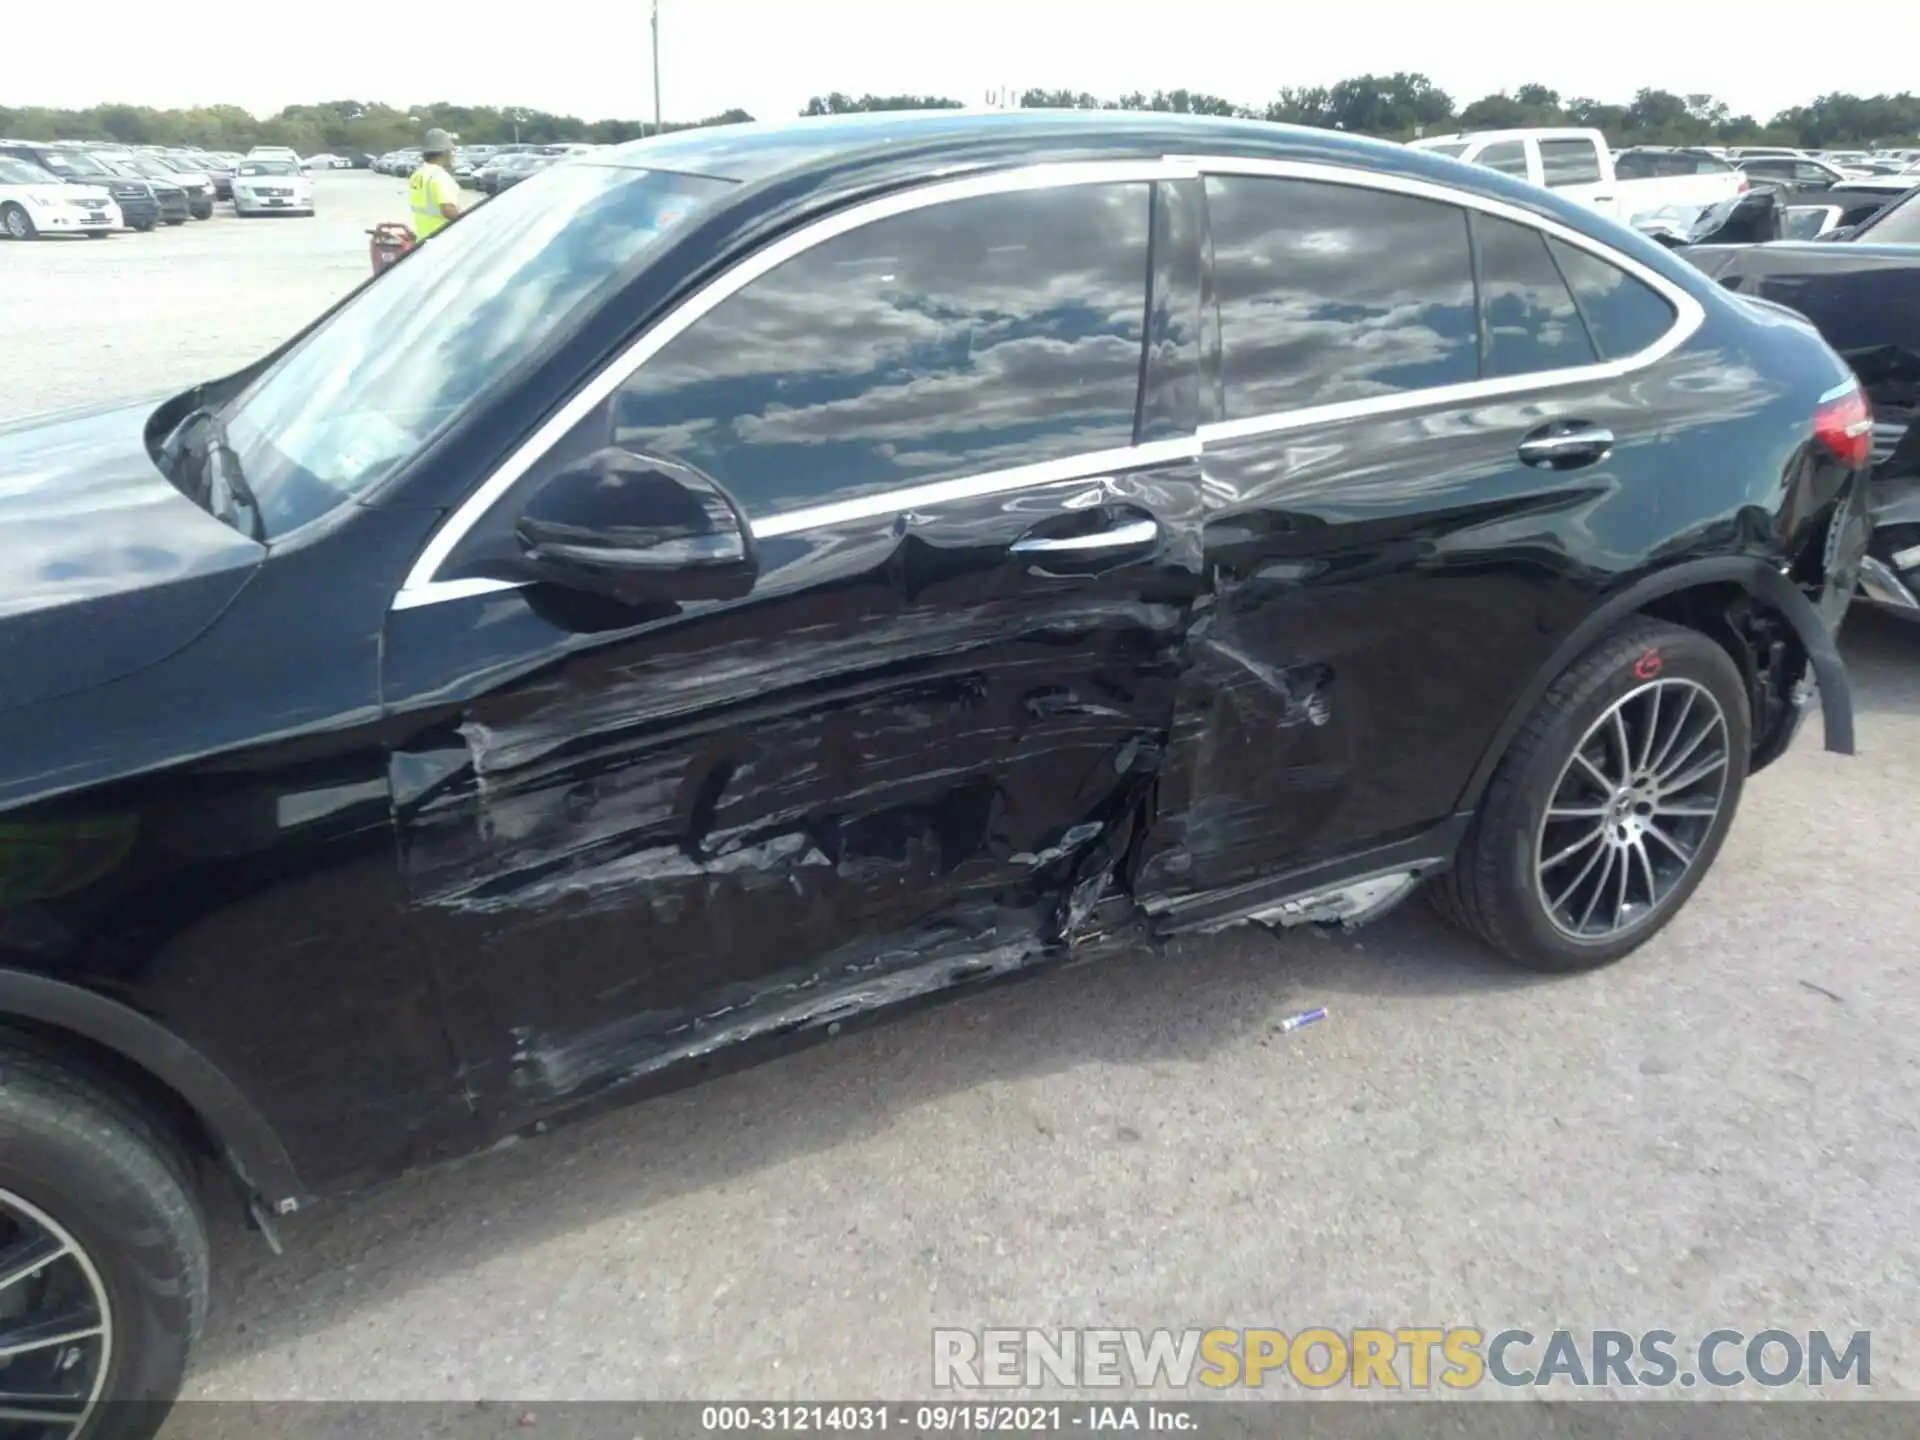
{"points": [[437, 142]]}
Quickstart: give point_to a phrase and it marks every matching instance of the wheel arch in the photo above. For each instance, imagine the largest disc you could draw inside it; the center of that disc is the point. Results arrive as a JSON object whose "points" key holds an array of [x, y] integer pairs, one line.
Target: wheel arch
{"points": [[1657, 594], [141, 1050]]}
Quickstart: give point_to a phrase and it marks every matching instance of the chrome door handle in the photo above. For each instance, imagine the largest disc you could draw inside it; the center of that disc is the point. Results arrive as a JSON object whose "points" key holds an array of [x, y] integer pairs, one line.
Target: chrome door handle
{"points": [[1576, 446], [1130, 536]]}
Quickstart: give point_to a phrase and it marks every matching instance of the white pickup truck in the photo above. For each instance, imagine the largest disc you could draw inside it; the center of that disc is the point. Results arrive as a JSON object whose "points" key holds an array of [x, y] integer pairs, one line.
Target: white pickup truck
{"points": [[1579, 165]]}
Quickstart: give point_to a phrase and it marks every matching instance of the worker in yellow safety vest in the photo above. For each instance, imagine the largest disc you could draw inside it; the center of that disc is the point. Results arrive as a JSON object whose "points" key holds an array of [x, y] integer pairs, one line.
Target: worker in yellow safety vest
{"points": [[434, 192]]}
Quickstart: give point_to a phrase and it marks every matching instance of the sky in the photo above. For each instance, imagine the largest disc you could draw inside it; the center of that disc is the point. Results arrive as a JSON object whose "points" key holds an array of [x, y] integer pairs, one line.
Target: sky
{"points": [[590, 57]]}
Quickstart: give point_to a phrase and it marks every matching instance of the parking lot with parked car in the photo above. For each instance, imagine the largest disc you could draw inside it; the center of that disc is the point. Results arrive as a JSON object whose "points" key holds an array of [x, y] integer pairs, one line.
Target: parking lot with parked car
{"points": [[1721, 1125]]}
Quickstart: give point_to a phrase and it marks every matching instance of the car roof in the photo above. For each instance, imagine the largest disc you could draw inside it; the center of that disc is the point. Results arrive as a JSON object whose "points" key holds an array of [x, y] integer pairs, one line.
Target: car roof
{"points": [[785, 170], [764, 149]]}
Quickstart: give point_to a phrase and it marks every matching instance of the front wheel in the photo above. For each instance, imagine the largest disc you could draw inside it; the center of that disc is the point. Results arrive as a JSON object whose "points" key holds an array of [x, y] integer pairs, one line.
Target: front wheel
{"points": [[16, 222], [1611, 804], [103, 1258]]}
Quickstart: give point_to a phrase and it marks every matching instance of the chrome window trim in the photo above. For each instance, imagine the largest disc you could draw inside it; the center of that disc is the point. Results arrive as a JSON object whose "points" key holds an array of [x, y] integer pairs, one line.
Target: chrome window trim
{"points": [[1689, 314], [1087, 466], [421, 588]]}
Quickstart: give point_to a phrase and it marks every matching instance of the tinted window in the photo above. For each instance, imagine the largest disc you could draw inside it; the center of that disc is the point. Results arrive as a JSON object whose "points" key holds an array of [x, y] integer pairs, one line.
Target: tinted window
{"points": [[962, 338], [1812, 174], [1704, 164], [1623, 315], [1769, 167], [1569, 162], [1509, 157], [1331, 292], [1531, 322], [1634, 165]]}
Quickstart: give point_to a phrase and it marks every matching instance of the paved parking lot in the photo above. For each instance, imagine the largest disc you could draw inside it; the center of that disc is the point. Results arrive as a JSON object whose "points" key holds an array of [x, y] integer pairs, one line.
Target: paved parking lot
{"points": [[1722, 1131]]}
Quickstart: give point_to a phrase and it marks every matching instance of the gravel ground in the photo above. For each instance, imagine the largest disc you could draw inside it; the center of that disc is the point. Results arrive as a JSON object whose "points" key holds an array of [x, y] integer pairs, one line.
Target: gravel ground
{"points": [[137, 314], [1719, 1132]]}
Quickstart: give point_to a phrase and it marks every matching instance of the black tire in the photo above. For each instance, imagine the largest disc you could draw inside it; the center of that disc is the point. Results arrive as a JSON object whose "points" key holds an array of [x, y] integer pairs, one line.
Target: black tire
{"points": [[16, 222], [123, 1192], [146, 225], [181, 221], [1491, 891], [98, 234]]}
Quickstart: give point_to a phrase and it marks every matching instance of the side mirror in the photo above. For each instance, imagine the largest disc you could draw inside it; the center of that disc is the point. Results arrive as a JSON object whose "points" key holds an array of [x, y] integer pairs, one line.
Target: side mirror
{"points": [[638, 528]]}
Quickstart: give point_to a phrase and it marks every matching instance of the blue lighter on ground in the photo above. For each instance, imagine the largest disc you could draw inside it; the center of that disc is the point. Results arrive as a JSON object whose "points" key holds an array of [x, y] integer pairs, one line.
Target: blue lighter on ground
{"points": [[1294, 1022]]}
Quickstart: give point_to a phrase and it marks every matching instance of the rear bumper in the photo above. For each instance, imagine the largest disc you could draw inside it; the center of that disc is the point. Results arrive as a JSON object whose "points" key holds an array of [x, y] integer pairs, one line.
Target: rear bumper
{"points": [[1881, 584], [1890, 575]]}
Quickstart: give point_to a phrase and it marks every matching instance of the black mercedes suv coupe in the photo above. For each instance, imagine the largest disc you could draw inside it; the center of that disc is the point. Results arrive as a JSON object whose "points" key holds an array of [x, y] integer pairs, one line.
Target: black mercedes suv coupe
{"points": [[805, 568]]}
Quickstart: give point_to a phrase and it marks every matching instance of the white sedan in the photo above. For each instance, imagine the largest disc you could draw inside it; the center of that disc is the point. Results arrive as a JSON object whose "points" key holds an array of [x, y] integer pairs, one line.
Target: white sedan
{"points": [[271, 187], [32, 203]]}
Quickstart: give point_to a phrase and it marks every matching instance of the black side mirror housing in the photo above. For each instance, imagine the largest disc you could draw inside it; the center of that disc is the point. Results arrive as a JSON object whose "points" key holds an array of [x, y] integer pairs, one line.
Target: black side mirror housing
{"points": [[638, 528]]}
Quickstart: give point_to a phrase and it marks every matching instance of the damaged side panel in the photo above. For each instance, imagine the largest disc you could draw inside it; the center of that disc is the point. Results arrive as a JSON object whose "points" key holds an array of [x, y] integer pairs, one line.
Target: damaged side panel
{"points": [[1381, 590], [909, 755]]}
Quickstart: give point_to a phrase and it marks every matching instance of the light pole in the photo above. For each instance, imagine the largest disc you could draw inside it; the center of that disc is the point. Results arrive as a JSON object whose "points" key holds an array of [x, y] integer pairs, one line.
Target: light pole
{"points": [[656, 67]]}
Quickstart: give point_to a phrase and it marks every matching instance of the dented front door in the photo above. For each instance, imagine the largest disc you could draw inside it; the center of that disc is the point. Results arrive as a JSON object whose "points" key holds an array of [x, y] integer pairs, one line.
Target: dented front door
{"points": [[914, 754]]}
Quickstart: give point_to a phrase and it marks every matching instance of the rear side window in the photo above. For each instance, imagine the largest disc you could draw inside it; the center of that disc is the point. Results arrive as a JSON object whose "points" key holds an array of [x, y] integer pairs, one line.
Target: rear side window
{"points": [[1332, 292], [955, 340], [1509, 157], [1623, 315], [1569, 161], [1530, 320], [1634, 166]]}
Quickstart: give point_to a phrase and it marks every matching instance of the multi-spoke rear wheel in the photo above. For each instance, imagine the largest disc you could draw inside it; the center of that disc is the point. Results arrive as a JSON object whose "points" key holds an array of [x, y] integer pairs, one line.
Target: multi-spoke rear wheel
{"points": [[56, 1324], [103, 1255], [1632, 809], [1610, 805]]}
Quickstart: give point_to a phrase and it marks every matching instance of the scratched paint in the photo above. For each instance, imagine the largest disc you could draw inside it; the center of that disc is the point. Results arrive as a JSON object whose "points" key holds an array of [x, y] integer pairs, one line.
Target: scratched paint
{"points": [[973, 945]]}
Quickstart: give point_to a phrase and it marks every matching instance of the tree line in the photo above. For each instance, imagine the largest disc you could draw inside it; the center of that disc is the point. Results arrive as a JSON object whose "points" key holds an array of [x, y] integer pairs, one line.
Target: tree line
{"points": [[1397, 106]]}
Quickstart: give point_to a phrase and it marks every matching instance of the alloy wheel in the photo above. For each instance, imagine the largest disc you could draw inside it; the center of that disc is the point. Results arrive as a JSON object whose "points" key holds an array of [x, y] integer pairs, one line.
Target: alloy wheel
{"points": [[1632, 810], [17, 224], [56, 1326]]}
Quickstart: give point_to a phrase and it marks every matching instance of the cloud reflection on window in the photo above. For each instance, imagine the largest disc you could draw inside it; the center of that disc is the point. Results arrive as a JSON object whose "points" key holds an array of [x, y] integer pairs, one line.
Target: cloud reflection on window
{"points": [[969, 336], [1532, 323], [1332, 292]]}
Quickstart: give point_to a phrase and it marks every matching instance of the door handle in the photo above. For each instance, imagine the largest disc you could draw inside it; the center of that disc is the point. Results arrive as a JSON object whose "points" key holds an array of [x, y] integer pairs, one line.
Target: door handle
{"points": [[1566, 445], [1130, 536]]}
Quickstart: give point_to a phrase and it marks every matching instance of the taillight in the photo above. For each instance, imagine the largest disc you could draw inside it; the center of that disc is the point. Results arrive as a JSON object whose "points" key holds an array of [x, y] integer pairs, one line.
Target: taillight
{"points": [[1844, 425], [1744, 187]]}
